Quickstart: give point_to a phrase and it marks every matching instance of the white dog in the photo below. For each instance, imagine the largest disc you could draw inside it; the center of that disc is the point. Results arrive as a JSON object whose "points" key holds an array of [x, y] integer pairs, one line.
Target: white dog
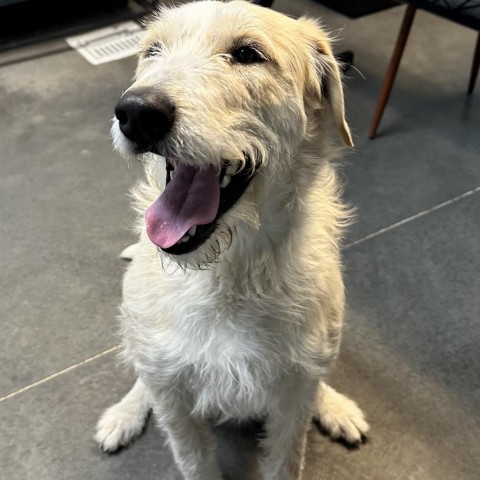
{"points": [[233, 303]]}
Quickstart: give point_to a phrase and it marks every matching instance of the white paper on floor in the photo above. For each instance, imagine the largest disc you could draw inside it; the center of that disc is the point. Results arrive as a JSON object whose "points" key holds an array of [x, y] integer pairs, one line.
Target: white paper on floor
{"points": [[108, 44]]}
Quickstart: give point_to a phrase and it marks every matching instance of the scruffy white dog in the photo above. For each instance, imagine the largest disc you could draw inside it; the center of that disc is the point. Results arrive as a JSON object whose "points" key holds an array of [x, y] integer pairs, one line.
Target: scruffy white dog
{"points": [[233, 303]]}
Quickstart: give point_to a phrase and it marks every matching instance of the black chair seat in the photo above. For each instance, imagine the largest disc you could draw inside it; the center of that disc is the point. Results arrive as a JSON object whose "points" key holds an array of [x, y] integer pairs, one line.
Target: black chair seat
{"points": [[465, 12]]}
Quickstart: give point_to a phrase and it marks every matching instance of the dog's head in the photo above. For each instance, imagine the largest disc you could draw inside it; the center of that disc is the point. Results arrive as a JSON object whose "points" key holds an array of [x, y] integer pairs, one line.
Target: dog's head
{"points": [[226, 93]]}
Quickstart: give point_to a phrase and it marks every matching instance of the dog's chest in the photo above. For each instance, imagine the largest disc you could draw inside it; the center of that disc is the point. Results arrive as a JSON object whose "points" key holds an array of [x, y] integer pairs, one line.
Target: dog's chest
{"points": [[225, 371], [228, 367], [224, 349]]}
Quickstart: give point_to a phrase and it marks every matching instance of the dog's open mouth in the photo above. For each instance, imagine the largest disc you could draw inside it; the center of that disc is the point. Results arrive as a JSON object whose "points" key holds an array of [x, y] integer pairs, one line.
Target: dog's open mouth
{"points": [[186, 213]]}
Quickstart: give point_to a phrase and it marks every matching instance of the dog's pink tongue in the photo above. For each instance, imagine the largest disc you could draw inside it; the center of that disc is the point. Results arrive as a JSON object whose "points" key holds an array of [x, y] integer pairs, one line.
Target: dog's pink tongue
{"points": [[190, 198]]}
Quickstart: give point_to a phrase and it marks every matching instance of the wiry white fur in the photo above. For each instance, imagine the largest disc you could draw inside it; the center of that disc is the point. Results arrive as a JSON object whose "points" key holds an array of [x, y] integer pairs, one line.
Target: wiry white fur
{"points": [[248, 324]]}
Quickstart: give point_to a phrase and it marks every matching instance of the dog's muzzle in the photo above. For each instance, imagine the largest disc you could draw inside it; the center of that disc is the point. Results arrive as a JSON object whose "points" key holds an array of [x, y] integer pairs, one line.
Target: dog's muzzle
{"points": [[187, 211], [145, 117]]}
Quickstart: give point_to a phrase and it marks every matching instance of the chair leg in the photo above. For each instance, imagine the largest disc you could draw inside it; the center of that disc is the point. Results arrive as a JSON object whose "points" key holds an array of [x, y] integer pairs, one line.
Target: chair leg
{"points": [[392, 69], [475, 66]]}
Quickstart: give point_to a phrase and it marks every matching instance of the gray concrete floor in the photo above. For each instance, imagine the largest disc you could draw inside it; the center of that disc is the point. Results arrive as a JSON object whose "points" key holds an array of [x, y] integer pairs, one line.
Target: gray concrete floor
{"points": [[410, 355]]}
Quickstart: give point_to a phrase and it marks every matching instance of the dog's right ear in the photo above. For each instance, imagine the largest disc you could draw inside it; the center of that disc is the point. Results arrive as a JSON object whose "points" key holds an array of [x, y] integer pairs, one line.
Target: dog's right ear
{"points": [[323, 80]]}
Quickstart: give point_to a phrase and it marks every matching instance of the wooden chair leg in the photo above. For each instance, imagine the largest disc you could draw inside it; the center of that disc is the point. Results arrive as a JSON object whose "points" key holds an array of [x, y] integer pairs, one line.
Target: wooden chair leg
{"points": [[392, 69], [475, 67]]}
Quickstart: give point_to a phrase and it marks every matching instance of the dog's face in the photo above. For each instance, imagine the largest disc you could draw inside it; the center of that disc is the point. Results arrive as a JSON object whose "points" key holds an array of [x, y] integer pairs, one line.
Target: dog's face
{"points": [[226, 93]]}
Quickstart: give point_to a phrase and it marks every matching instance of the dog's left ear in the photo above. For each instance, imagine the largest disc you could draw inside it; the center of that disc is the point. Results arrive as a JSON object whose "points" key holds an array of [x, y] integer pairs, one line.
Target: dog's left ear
{"points": [[323, 78]]}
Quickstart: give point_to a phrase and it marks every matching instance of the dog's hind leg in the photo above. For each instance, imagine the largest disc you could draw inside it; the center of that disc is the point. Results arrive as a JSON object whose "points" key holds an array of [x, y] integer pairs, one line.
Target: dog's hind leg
{"points": [[125, 420], [340, 417]]}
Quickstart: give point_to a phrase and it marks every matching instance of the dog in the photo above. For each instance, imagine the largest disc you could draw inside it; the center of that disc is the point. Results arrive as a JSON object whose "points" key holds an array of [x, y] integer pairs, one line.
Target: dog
{"points": [[234, 300]]}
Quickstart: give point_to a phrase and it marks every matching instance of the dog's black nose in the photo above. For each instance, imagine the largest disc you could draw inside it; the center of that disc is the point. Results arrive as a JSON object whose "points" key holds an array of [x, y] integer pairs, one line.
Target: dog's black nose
{"points": [[145, 116]]}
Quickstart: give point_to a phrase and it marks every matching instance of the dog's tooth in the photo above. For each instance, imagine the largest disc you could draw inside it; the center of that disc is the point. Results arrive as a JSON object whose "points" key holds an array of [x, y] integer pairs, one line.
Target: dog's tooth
{"points": [[171, 174], [231, 170], [185, 239], [192, 231], [225, 181]]}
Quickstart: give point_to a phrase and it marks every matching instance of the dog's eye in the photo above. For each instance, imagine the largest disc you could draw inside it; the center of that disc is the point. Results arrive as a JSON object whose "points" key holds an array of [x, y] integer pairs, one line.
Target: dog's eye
{"points": [[154, 50], [247, 55]]}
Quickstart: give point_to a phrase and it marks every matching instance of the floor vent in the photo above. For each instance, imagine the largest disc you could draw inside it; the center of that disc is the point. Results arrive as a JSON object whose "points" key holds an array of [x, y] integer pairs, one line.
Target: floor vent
{"points": [[108, 44]]}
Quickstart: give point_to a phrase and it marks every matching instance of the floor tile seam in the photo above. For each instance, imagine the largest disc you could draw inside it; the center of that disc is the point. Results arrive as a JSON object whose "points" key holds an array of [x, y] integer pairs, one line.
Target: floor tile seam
{"points": [[412, 218], [59, 373]]}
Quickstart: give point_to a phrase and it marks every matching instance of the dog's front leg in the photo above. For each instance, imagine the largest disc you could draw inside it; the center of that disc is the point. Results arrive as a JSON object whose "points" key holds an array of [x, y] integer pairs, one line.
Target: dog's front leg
{"points": [[286, 431], [190, 439]]}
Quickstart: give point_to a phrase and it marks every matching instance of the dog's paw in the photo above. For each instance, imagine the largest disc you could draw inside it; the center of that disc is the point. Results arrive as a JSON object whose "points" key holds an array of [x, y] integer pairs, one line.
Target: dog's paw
{"points": [[340, 417], [129, 252], [119, 425]]}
